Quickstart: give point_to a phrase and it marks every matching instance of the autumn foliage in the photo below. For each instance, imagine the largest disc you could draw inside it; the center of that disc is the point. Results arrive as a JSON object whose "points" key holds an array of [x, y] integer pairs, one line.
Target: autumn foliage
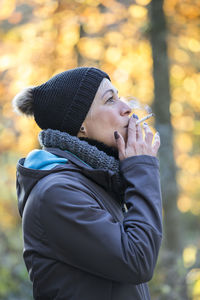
{"points": [[40, 38]]}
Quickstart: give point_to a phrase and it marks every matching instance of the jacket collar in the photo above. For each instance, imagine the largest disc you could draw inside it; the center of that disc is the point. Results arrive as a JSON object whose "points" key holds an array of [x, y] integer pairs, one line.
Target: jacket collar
{"points": [[108, 179]]}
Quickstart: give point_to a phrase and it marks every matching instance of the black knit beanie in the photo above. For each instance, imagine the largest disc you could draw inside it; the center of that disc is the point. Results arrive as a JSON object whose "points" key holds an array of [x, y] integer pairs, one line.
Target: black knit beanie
{"points": [[63, 101]]}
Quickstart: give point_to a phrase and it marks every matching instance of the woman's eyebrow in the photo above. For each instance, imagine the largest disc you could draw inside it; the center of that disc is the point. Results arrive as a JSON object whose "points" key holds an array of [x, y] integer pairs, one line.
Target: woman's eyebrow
{"points": [[110, 90]]}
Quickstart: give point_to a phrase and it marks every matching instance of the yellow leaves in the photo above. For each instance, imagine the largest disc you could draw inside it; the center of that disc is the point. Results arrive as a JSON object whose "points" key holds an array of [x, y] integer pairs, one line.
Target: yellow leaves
{"points": [[180, 56], [7, 111], [169, 6], [117, 10], [111, 37], [69, 35], [189, 256], [88, 2], [176, 109], [194, 45], [189, 181], [195, 209], [120, 76], [193, 282], [183, 41], [7, 139], [143, 2], [46, 9], [189, 184], [184, 203], [7, 220], [6, 61], [177, 71], [193, 275], [197, 128], [23, 123], [188, 43], [137, 11], [26, 140], [94, 21], [183, 123], [113, 54], [122, 81], [183, 142], [91, 47], [183, 9], [190, 165], [128, 30], [6, 8], [189, 10], [114, 38], [196, 290], [128, 62], [15, 18], [189, 84]]}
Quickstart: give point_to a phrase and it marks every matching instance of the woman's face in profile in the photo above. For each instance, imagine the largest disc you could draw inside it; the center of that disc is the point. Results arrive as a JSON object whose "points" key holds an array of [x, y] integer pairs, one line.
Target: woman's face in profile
{"points": [[107, 114]]}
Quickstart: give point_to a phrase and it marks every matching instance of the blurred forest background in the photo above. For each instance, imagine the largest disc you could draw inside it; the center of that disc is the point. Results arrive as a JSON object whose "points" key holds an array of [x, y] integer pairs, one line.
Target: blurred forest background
{"points": [[151, 49]]}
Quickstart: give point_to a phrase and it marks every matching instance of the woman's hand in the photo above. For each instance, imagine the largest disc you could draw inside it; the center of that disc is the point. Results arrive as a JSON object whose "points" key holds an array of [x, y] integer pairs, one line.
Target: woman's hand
{"points": [[136, 144]]}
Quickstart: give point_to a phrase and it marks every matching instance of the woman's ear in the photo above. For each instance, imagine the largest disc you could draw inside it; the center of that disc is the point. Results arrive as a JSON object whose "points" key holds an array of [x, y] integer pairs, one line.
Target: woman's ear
{"points": [[82, 131]]}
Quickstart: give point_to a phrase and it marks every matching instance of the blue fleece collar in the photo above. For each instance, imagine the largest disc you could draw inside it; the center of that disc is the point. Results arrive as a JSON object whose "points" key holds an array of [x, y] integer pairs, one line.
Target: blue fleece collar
{"points": [[43, 160]]}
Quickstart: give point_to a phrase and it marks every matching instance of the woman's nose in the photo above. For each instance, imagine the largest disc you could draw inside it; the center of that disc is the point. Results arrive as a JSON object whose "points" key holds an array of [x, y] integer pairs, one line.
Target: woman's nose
{"points": [[125, 109]]}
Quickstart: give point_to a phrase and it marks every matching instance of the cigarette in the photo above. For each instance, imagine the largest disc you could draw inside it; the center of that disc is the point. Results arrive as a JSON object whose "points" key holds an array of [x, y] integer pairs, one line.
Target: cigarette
{"points": [[145, 118]]}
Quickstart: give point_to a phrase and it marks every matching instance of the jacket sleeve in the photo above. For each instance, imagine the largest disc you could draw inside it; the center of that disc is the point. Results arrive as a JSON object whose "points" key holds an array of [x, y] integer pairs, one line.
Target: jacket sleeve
{"points": [[85, 236]]}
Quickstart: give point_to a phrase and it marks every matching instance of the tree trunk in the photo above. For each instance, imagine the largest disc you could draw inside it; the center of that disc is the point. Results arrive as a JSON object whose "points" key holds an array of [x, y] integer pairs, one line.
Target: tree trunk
{"points": [[158, 36], [172, 235]]}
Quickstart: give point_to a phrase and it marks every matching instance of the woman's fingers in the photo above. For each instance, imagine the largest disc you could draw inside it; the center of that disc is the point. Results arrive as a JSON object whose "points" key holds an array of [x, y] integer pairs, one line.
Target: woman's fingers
{"points": [[148, 134], [139, 135], [131, 132], [156, 143], [120, 144], [136, 144]]}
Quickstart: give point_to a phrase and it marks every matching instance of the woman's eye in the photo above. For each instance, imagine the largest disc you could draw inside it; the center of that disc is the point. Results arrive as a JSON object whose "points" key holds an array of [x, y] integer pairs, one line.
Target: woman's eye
{"points": [[111, 99]]}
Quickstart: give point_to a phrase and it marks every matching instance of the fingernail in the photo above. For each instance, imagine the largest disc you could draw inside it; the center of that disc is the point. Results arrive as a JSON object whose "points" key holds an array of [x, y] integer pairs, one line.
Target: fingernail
{"points": [[116, 135], [135, 116]]}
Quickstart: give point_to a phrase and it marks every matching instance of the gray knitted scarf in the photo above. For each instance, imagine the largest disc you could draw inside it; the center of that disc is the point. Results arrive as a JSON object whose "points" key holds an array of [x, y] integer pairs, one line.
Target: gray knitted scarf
{"points": [[89, 154]]}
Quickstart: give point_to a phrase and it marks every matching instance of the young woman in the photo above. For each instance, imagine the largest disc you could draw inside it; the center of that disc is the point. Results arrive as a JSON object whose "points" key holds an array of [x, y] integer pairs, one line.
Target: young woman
{"points": [[90, 199]]}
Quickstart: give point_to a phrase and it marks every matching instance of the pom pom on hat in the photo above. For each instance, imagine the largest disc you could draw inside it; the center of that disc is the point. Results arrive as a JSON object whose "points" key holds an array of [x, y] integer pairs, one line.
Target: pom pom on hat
{"points": [[23, 102]]}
